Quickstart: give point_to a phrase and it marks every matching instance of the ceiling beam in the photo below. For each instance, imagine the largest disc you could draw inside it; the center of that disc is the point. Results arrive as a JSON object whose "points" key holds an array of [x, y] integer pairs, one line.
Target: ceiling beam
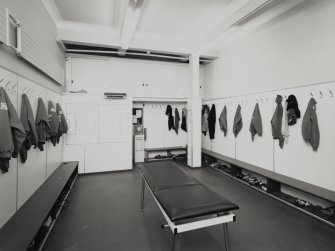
{"points": [[52, 10], [130, 21]]}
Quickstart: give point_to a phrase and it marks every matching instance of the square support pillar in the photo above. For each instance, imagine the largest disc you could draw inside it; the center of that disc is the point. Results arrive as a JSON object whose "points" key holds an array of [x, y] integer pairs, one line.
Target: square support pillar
{"points": [[194, 115]]}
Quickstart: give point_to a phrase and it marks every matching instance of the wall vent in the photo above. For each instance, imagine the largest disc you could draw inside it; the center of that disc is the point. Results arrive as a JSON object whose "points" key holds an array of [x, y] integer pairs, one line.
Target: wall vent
{"points": [[113, 95]]}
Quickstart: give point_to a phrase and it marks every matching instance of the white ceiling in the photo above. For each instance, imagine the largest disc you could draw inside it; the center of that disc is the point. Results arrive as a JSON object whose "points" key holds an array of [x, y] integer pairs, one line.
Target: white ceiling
{"points": [[174, 26], [179, 17], [97, 12]]}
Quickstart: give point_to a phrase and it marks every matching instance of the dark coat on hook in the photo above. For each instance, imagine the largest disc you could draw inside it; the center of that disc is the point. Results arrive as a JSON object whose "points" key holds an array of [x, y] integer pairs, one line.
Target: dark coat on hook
{"points": [[42, 124], [310, 127], [276, 122], [256, 123], [176, 120], [54, 123], [63, 127], [12, 133], [170, 119], [28, 122], [223, 120], [183, 120], [237, 121], [211, 122], [293, 112], [204, 119]]}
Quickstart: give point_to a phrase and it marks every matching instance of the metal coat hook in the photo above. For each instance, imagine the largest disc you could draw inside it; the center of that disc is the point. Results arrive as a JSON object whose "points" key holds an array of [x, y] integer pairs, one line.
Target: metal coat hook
{"points": [[1, 80], [262, 100], [331, 93], [7, 84], [320, 94], [267, 99], [256, 100], [312, 95], [285, 96]]}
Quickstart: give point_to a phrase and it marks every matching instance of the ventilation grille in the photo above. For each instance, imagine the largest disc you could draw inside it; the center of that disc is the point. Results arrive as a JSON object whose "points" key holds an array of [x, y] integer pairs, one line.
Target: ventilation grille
{"points": [[2, 25], [111, 96]]}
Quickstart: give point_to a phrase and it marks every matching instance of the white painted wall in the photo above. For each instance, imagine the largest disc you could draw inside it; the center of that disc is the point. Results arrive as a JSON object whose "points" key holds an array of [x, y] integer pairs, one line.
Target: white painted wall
{"points": [[138, 78], [100, 133], [156, 123], [41, 28], [294, 50], [23, 179]]}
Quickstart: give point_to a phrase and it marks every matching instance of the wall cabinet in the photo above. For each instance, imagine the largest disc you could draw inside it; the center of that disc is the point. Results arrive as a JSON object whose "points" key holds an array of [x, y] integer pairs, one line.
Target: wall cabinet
{"points": [[101, 130]]}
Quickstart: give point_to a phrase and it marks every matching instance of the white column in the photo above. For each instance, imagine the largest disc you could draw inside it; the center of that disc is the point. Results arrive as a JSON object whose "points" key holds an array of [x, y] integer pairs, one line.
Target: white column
{"points": [[194, 115]]}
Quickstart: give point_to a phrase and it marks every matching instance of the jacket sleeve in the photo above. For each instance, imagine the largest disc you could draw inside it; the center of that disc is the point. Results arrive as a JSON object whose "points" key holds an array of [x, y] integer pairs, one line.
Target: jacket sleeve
{"points": [[315, 132], [18, 132], [306, 127]]}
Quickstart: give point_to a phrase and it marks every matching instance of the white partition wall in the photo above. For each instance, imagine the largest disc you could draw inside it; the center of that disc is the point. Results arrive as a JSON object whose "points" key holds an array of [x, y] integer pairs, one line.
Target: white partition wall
{"points": [[8, 181], [100, 133], [33, 172], [156, 123], [260, 151], [23, 179]]}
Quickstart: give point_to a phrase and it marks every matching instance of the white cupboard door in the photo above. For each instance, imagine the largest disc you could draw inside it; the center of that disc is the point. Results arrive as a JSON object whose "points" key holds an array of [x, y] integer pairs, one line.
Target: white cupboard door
{"points": [[108, 157], [154, 121], [86, 122], [87, 74], [114, 123]]}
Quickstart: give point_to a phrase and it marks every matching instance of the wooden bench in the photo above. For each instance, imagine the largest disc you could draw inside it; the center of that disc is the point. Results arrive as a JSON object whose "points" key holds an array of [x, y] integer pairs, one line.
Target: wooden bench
{"points": [[20, 232]]}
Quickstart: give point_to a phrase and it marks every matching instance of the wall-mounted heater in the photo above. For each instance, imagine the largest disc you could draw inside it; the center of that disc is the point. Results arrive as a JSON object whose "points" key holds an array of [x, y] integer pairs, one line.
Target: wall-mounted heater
{"points": [[113, 95]]}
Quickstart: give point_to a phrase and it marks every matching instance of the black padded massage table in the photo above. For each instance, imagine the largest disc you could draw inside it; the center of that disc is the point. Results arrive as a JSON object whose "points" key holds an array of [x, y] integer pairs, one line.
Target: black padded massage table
{"points": [[185, 203]]}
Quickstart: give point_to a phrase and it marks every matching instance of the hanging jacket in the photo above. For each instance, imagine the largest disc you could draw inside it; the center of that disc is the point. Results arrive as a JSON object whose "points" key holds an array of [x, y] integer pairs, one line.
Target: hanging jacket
{"points": [[184, 119], [276, 122], [42, 124], [293, 112], [54, 123], [28, 122], [256, 123], [204, 119], [211, 122], [310, 127], [176, 120], [12, 133], [284, 128], [170, 119], [237, 121], [63, 128], [223, 120]]}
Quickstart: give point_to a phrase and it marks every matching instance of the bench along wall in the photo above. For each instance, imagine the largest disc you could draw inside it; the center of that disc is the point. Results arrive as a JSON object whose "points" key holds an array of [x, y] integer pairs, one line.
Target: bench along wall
{"points": [[23, 180], [293, 51]]}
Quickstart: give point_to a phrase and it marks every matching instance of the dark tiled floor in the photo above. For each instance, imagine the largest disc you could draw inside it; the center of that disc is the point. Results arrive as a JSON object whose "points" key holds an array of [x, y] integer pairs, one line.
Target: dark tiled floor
{"points": [[104, 214]]}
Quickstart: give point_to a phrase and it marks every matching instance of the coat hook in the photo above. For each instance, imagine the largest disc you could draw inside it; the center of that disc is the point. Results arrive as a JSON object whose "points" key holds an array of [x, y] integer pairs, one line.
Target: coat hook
{"points": [[312, 95], [262, 100], [7, 84], [320, 94], [267, 99], [331, 93], [1, 80], [256, 100], [285, 96]]}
